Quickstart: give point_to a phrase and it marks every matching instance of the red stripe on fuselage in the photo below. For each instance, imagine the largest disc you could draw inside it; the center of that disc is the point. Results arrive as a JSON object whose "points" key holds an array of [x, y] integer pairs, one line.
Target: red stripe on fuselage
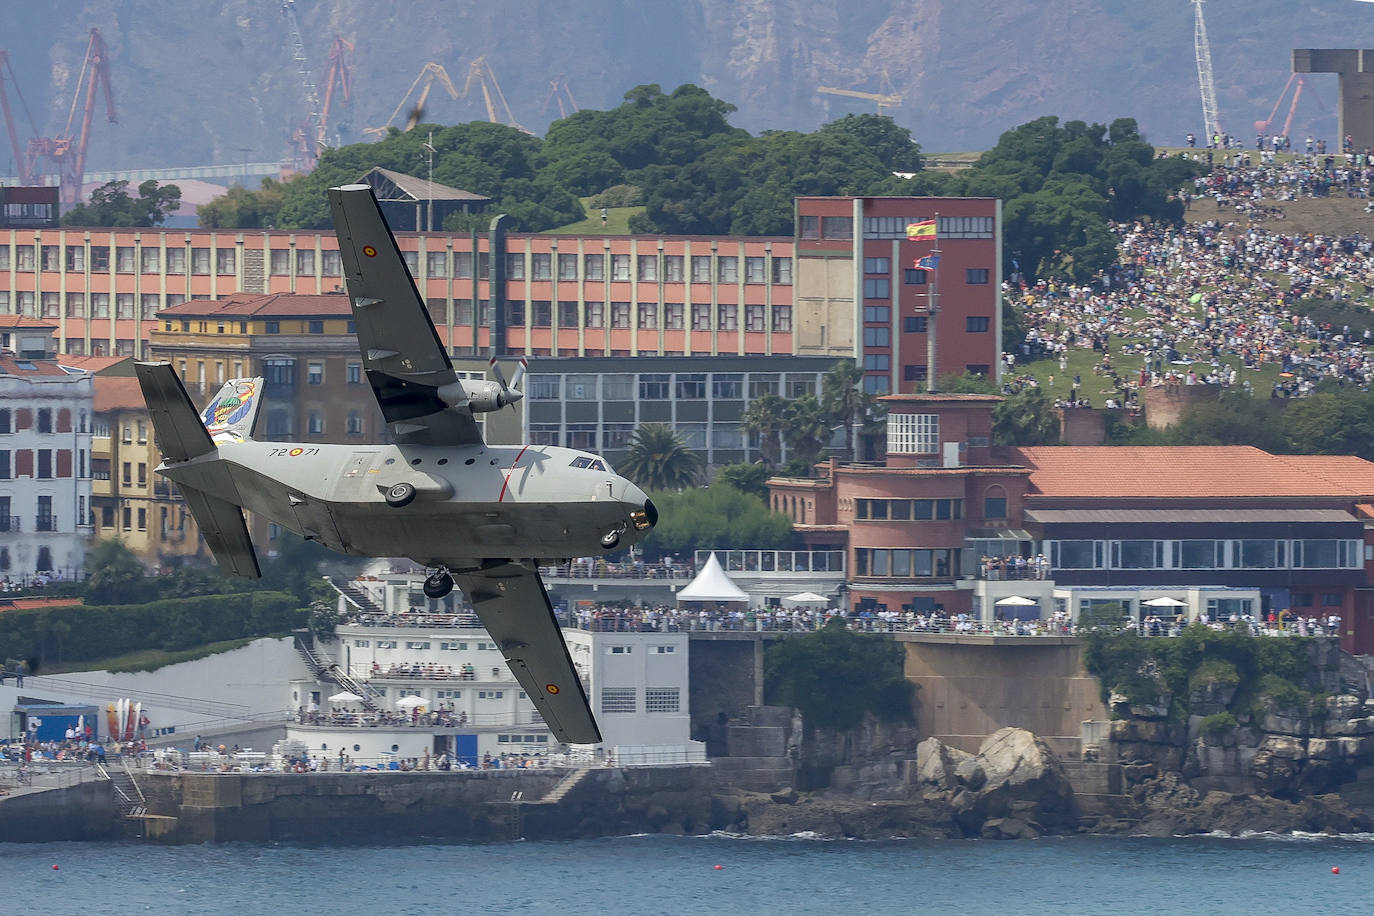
{"points": [[509, 472]]}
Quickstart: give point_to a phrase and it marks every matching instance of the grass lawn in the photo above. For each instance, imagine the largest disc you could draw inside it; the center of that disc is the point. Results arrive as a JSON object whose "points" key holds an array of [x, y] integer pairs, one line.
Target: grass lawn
{"points": [[617, 222], [147, 659]]}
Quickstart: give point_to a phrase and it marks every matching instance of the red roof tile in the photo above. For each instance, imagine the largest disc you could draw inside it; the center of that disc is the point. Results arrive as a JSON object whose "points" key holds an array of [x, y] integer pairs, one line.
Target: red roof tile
{"points": [[113, 393], [92, 364], [25, 321], [247, 305], [1190, 472], [21, 368]]}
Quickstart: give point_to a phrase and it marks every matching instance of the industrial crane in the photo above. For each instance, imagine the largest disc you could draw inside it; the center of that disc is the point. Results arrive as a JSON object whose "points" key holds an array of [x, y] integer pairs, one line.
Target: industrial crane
{"points": [[65, 154], [481, 71], [341, 75], [1263, 128], [21, 164], [305, 137], [428, 75], [887, 98], [1202, 50], [558, 92]]}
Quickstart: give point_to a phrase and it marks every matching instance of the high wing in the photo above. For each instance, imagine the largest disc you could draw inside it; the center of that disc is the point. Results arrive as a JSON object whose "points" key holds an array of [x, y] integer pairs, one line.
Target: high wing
{"points": [[515, 610], [403, 357]]}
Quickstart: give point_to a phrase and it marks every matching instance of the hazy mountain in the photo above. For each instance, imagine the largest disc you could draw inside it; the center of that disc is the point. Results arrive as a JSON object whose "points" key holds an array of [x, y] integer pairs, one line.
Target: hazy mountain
{"points": [[215, 81]]}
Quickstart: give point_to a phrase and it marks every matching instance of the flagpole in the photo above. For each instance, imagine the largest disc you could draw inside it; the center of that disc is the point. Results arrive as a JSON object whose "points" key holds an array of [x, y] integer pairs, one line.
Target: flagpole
{"points": [[932, 309]]}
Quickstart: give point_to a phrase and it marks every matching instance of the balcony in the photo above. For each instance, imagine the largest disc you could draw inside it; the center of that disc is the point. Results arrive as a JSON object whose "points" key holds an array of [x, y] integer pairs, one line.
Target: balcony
{"points": [[45, 523], [9, 523]]}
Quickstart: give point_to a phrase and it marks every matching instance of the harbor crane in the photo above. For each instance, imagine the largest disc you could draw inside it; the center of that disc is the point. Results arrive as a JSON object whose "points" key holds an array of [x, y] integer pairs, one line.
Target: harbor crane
{"points": [[888, 97], [65, 154], [559, 93], [481, 71], [429, 74]]}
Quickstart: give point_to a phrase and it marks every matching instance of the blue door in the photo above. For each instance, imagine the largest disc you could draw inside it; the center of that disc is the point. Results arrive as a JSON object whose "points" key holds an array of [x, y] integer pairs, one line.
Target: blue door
{"points": [[465, 749]]}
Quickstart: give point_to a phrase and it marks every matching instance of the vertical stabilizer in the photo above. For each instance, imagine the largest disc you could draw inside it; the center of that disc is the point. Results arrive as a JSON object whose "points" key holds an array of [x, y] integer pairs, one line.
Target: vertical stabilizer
{"points": [[230, 416], [180, 433]]}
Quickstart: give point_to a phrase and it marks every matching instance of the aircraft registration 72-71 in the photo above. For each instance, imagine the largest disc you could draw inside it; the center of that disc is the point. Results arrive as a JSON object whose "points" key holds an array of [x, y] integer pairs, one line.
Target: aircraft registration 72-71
{"points": [[478, 516]]}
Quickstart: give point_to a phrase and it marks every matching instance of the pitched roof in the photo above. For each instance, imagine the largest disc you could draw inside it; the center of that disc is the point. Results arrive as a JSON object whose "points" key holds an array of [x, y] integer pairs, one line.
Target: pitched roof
{"points": [[1190, 472], [26, 321], [93, 364], [712, 584], [113, 393], [275, 305], [20, 368], [399, 186]]}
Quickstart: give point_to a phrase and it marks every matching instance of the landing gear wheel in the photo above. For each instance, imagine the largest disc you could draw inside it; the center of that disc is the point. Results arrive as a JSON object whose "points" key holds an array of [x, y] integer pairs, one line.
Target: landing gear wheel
{"points": [[438, 585], [610, 541], [402, 494]]}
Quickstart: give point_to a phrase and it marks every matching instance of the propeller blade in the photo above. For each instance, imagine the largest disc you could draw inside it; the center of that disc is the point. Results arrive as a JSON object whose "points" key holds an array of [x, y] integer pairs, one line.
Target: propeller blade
{"points": [[520, 373], [500, 376]]}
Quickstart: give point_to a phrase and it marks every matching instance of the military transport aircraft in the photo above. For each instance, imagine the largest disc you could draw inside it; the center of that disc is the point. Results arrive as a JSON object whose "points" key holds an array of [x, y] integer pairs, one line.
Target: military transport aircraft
{"points": [[476, 515]]}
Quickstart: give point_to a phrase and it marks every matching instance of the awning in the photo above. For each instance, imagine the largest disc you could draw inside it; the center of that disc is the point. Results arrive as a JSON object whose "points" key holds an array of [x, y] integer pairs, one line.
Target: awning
{"points": [[1187, 516], [998, 534]]}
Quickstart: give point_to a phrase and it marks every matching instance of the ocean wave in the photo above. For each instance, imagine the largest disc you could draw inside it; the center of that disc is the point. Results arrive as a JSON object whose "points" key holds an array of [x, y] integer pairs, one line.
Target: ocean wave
{"points": [[1295, 836]]}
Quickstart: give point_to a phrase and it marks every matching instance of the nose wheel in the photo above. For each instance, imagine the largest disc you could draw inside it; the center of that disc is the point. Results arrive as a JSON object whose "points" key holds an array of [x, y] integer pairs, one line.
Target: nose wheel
{"points": [[400, 495], [611, 539], [438, 585]]}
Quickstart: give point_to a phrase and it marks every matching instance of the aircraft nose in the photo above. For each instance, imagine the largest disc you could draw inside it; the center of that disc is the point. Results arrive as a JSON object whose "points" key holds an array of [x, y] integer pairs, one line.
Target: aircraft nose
{"points": [[651, 511]]}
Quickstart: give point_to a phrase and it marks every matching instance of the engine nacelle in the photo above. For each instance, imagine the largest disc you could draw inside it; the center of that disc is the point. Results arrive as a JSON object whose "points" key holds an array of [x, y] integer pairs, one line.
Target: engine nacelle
{"points": [[479, 397]]}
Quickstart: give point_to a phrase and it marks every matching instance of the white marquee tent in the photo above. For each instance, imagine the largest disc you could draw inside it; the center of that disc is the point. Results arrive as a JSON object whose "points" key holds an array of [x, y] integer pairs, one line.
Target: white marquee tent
{"points": [[712, 584]]}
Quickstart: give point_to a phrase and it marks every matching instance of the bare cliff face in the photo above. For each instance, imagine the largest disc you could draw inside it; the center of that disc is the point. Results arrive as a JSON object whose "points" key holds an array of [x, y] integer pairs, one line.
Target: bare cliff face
{"points": [[198, 82]]}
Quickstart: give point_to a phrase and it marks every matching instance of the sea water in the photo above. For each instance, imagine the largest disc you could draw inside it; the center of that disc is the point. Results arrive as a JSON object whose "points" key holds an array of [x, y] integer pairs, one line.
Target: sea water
{"points": [[657, 874]]}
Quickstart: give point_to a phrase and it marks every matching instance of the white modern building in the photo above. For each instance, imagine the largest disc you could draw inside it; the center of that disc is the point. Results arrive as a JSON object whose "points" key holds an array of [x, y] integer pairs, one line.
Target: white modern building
{"points": [[45, 450]]}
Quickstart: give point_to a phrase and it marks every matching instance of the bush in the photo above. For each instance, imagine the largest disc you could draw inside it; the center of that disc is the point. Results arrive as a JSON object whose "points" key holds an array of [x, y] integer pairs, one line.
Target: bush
{"points": [[835, 677], [1217, 724], [619, 195]]}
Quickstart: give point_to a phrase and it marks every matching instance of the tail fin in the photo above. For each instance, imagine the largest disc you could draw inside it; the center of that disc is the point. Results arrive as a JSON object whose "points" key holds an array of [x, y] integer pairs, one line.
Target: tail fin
{"points": [[180, 434], [230, 416]]}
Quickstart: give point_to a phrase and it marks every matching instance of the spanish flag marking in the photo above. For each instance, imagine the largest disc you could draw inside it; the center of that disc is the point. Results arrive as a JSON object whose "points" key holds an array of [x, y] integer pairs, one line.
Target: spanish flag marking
{"points": [[372, 252], [551, 688], [925, 229]]}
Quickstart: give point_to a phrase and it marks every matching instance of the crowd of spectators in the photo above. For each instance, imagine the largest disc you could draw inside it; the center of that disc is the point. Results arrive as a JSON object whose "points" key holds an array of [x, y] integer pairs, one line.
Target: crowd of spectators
{"points": [[1202, 303], [443, 716], [423, 670]]}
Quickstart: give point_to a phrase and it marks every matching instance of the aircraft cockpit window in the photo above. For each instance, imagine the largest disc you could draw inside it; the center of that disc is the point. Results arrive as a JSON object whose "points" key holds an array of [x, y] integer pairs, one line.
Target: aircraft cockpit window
{"points": [[593, 464]]}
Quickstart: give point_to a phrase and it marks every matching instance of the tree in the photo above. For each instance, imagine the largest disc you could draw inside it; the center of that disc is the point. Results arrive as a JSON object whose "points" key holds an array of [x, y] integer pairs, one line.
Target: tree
{"points": [[1339, 422], [892, 144], [765, 417], [240, 208], [747, 478], [807, 431], [111, 205], [714, 518], [1025, 419], [835, 677], [844, 399], [115, 576], [660, 460]]}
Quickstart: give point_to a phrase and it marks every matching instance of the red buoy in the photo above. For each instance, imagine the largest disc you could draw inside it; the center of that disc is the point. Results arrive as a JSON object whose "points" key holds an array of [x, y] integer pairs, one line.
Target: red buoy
{"points": [[718, 867], [1335, 869], [54, 868]]}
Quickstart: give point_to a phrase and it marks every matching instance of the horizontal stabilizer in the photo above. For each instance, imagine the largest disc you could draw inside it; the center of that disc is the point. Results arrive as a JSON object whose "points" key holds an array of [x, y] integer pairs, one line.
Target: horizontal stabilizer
{"points": [[180, 434], [225, 532]]}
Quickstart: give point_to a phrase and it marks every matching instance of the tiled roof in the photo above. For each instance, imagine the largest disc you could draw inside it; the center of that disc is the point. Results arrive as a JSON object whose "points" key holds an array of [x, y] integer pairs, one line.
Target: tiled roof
{"points": [[249, 305], [417, 189], [113, 393], [91, 364], [22, 368], [1189, 472], [27, 321]]}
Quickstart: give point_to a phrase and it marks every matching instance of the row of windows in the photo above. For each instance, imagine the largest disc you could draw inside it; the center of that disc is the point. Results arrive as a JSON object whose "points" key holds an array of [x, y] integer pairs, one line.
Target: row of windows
{"points": [[913, 433], [648, 268], [660, 386], [908, 510], [626, 699], [522, 739], [881, 287], [948, 227], [1259, 553], [827, 227], [128, 260], [617, 436], [41, 463], [42, 419], [643, 315], [50, 305], [906, 564]]}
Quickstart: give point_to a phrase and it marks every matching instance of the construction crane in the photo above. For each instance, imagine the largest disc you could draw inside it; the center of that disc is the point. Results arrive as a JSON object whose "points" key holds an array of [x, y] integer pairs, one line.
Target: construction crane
{"points": [[481, 71], [887, 97], [341, 75], [558, 92], [1202, 49], [304, 138], [1263, 128], [17, 146], [65, 155], [429, 74]]}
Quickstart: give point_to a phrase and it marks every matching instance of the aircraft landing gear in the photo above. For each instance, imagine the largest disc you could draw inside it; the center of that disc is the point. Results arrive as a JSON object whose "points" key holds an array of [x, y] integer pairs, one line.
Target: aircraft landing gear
{"points": [[611, 539], [438, 585], [402, 494]]}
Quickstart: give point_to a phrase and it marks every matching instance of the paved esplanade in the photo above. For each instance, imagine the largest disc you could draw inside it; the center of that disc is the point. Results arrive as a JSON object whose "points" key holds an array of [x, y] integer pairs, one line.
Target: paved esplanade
{"points": [[1355, 101]]}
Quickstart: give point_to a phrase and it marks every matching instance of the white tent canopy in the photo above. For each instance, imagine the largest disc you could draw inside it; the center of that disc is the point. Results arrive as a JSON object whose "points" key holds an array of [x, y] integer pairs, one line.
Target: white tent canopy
{"points": [[1016, 601], [806, 599], [1164, 602], [712, 584]]}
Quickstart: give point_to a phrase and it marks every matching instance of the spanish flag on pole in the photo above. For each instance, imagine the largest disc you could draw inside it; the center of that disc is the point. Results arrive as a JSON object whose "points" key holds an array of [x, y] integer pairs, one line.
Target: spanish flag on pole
{"points": [[925, 229]]}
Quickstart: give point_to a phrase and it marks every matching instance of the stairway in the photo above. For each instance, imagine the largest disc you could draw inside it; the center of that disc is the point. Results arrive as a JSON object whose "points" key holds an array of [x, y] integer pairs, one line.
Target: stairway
{"points": [[127, 794], [326, 669], [356, 597], [564, 786]]}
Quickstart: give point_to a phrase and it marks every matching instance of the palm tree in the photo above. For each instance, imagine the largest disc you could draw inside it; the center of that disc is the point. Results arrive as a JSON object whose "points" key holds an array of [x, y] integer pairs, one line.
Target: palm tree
{"points": [[807, 430], [660, 460], [844, 399], [765, 416]]}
